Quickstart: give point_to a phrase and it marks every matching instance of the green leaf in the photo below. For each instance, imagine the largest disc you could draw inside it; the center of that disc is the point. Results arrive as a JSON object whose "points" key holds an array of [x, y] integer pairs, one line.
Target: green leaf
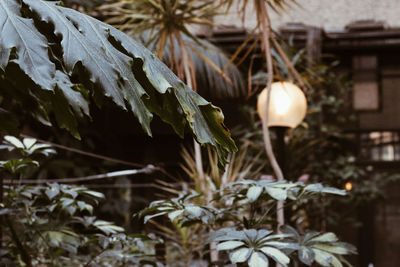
{"points": [[55, 237], [253, 193], [194, 210], [251, 234], [229, 245], [174, 214], [326, 259], [94, 194], [5, 211], [29, 142], [71, 93], [81, 205], [204, 119], [70, 209], [30, 45], [276, 254], [148, 217], [336, 248], [69, 191], [51, 208], [276, 192], [261, 234], [52, 192], [319, 188], [306, 255], [107, 227], [14, 141], [258, 259], [327, 237], [226, 234], [309, 235], [132, 91], [65, 202], [106, 62], [282, 245], [240, 255]]}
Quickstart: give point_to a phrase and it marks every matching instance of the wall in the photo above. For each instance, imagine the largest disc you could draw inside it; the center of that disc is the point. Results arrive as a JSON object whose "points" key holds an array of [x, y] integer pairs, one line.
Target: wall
{"points": [[332, 15]]}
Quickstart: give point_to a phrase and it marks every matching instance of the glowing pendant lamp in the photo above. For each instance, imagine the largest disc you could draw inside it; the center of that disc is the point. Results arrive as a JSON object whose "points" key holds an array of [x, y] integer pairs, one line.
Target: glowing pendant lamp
{"points": [[287, 105]]}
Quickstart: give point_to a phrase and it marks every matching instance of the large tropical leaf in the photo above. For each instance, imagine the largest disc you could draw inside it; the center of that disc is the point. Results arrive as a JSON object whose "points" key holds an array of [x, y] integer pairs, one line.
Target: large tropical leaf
{"points": [[164, 28], [63, 59]]}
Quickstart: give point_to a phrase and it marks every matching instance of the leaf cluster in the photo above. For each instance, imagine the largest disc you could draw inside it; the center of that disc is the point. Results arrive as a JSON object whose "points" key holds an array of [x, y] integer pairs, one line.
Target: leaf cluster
{"points": [[247, 205], [55, 61], [54, 224], [256, 247]]}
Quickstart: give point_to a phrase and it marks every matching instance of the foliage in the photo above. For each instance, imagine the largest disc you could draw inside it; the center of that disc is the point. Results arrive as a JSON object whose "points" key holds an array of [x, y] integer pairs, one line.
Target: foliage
{"points": [[252, 246], [54, 224], [74, 61], [64, 59], [27, 148], [237, 201], [179, 207], [322, 248], [239, 167], [320, 149], [165, 28], [185, 245], [276, 5], [278, 190], [247, 206], [164, 18], [214, 76], [257, 246]]}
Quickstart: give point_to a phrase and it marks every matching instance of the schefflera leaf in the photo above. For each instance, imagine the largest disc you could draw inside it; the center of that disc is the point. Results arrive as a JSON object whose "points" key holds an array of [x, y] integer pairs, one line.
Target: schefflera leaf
{"points": [[124, 70]]}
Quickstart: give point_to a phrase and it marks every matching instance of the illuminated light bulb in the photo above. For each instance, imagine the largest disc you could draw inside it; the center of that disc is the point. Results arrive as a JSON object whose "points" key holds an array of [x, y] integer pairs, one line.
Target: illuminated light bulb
{"points": [[283, 102], [288, 105], [348, 186]]}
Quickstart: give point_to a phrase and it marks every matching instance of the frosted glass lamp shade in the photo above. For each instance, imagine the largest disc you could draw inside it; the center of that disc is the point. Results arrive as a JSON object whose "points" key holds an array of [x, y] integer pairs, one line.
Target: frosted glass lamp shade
{"points": [[288, 105]]}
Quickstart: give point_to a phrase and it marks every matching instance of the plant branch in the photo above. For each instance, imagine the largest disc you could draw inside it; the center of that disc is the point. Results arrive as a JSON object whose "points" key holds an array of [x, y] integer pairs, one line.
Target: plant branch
{"points": [[148, 169], [289, 64], [266, 34], [24, 253], [75, 150]]}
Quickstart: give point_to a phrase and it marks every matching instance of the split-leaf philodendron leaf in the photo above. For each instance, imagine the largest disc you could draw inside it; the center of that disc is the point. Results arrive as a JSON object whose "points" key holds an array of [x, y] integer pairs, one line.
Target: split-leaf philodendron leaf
{"points": [[62, 58]]}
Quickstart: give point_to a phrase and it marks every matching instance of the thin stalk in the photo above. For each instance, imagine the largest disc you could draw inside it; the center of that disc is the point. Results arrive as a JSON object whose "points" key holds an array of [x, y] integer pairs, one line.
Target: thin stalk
{"points": [[78, 151], [266, 34], [93, 258]]}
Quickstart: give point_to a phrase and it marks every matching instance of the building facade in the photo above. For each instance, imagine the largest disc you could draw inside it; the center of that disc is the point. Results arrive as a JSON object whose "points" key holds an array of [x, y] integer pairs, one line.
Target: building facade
{"points": [[365, 36]]}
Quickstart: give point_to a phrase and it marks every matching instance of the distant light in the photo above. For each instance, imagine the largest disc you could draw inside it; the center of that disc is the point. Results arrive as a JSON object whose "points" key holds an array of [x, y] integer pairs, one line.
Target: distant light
{"points": [[288, 105], [348, 186]]}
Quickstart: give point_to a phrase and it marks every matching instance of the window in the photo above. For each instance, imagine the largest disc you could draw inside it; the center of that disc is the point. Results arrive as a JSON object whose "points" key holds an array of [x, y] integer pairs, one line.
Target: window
{"points": [[380, 146]]}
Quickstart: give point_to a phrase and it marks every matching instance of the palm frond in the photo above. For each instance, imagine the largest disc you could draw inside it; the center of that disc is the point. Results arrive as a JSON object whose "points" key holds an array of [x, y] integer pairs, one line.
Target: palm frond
{"points": [[215, 77], [240, 167]]}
